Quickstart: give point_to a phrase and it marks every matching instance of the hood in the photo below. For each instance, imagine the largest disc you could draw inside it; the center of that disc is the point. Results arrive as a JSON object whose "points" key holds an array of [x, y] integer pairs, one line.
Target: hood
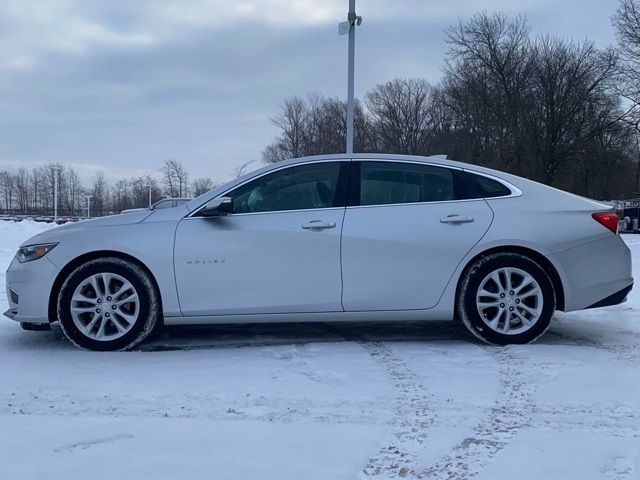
{"points": [[56, 233]]}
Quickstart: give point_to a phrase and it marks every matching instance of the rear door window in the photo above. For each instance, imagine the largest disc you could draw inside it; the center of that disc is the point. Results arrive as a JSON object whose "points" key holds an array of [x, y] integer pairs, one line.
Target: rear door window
{"points": [[387, 183]]}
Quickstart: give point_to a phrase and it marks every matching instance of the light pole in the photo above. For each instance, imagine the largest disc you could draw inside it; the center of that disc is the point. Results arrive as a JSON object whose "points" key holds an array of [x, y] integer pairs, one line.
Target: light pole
{"points": [[349, 27], [56, 171], [149, 195], [89, 206]]}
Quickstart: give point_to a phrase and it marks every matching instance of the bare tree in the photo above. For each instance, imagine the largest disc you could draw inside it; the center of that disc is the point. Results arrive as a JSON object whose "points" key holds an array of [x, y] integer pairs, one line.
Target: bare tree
{"points": [[242, 169], [202, 185], [49, 174], [175, 179], [139, 190], [121, 197], [626, 22], [292, 124], [21, 186], [100, 192], [72, 191], [317, 125], [37, 190], [403, 115], [570, 83], [544, 108], [6, 188], [497, 48]]}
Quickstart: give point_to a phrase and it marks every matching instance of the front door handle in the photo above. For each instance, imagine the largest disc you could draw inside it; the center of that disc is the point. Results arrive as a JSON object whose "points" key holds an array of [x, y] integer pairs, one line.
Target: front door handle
{"points": [[456, 219], [318, 225]]}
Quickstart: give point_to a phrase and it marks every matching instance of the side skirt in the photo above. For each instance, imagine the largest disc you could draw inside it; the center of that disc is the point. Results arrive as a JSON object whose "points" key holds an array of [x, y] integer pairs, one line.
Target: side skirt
{"points": [[381, 316]]}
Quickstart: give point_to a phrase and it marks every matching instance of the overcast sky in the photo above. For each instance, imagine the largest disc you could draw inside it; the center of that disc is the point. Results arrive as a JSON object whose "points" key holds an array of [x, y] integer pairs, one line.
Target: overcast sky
{"points": [[122, 85]]}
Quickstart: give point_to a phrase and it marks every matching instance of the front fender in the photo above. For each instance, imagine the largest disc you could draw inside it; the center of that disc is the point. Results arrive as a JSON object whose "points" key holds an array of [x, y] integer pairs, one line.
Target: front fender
{"points": [[150, 243]]}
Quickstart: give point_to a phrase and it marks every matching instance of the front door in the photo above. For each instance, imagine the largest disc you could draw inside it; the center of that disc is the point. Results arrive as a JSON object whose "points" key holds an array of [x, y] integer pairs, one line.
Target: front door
{"points": [[278, 252]]}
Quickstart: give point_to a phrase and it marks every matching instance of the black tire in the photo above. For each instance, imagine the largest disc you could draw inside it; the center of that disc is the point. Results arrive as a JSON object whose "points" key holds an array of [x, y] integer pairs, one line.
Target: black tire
{"points": [[470, 284], [149, 304]]}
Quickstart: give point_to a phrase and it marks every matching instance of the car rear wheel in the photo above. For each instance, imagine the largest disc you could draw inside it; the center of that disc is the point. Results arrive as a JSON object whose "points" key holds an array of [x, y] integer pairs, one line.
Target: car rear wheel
{"points": [[108, 304], [506, 298]]}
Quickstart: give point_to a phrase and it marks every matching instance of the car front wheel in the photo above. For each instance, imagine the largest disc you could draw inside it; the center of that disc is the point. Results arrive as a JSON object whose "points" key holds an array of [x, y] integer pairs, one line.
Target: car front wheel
{"points": [[506, 298], [108, 304]]}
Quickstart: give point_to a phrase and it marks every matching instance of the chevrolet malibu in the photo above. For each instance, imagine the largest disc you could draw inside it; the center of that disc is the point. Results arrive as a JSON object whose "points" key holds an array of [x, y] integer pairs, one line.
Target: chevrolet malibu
{"points": [[330, 238]]}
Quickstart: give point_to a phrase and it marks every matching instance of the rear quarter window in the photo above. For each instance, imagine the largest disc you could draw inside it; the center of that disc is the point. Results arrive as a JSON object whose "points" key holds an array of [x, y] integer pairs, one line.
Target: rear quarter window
{"points": [[487, 187]]}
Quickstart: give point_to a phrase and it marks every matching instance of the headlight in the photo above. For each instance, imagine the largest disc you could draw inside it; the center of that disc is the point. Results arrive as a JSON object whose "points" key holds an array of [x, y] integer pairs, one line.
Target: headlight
{"points": [[34, 252]]}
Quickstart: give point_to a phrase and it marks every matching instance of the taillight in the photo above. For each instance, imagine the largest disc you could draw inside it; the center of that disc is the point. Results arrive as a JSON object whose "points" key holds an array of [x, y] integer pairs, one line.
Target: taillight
{"points": [[609, 220]]}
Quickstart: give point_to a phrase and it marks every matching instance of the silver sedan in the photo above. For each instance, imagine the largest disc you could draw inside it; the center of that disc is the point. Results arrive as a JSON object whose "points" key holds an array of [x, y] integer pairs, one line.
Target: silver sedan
{"points": [[330, 238]]}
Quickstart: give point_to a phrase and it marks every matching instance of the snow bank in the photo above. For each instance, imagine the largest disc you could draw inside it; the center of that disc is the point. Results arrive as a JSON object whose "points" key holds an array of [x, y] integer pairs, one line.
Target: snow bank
{"points": [[12, 234]]}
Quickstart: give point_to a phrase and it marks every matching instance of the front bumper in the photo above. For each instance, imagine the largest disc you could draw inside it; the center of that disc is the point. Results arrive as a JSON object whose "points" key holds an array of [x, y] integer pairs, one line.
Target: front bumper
{"points": [[28, 288]]}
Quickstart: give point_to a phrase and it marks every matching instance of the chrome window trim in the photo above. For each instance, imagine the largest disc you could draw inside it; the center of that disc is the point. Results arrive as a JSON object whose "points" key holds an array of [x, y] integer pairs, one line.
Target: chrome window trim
{"points": [[271, 212], [414, 162], [379, 205]]}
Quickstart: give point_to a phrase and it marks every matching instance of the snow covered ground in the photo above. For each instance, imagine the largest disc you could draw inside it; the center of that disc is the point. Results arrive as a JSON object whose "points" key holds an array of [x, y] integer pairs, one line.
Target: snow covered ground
{"points": [[321, 401]]}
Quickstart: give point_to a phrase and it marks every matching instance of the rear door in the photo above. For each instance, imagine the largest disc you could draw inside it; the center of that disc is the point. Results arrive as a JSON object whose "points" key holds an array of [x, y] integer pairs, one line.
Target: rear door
{"points": [[407, 226]]}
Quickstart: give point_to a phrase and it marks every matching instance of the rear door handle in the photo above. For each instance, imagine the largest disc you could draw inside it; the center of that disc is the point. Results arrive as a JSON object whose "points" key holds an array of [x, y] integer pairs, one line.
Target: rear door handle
{"points": [[456, 219], [318, 225]]}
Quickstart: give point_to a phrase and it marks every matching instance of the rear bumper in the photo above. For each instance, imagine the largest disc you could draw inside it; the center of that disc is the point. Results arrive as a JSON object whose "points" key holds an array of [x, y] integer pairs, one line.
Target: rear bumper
{"points": [[613, 299], [594, 273]]}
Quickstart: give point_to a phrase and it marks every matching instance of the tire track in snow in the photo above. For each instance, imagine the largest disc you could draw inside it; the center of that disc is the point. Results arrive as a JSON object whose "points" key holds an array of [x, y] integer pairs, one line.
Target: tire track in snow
{"points": [[628, 351], [509, 414], [413, 416], [261, 408], [83, 445]]}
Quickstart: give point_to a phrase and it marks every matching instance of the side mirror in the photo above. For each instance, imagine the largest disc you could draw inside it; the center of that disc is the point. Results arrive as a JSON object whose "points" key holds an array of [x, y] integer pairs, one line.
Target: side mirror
{"points": [[218, 207]]}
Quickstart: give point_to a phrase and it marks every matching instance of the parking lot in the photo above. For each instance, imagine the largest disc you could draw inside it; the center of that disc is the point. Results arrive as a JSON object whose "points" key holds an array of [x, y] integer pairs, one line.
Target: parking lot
{"points": [[325, 401]]}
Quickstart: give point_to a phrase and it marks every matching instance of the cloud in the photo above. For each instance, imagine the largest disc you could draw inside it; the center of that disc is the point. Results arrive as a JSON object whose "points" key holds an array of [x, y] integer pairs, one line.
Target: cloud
{"points": [[129, 84], [36, 28]]}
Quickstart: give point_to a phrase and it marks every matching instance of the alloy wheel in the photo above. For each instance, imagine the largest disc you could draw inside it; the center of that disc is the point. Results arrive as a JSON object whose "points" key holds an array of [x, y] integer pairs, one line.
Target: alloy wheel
{"points": [[509, 301], [105, 306]]}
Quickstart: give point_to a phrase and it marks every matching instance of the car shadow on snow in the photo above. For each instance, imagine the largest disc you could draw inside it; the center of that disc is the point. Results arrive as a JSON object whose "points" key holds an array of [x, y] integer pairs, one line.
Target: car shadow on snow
{"points": [[170, 338], [176, 338], [274, 334]]}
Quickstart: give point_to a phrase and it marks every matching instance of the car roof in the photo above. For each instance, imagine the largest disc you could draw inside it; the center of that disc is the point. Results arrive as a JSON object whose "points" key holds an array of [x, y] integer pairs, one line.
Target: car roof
{"points": [[440, 159], [372, 156]]}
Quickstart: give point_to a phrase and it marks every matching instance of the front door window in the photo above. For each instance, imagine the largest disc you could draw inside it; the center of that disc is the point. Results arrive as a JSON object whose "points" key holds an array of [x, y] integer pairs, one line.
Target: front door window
{"points": [[301, 187]]}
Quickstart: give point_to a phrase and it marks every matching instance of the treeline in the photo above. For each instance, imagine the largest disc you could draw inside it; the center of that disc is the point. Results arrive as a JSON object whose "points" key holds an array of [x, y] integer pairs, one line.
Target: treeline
{"points": [[558, 111], [31, 192], [561, 112]]}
